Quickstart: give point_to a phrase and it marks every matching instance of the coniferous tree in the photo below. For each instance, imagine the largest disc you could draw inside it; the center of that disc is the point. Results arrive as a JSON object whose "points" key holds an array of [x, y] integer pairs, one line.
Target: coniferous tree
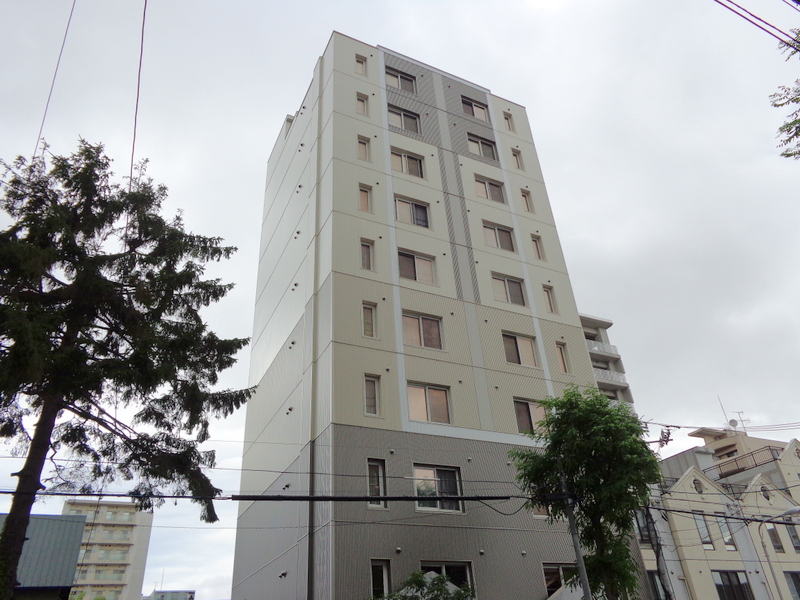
{"points": [[100, 300], [789, 97]]}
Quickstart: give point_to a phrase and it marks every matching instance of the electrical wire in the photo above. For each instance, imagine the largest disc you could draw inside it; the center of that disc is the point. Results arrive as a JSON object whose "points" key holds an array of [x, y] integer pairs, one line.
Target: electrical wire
{"points": [[138, 90], [792, 4], [788, 41]]}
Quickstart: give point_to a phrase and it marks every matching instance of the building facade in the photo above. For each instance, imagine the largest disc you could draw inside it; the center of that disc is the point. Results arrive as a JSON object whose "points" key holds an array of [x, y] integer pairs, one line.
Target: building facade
{"points": [[114, 548], [413, 305]]}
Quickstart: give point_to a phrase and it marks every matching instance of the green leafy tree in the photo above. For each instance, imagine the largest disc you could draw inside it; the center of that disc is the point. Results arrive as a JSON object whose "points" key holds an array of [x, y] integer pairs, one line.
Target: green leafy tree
{"points": [[426, 586], [594, 447], [100, 301], [789, 97]]}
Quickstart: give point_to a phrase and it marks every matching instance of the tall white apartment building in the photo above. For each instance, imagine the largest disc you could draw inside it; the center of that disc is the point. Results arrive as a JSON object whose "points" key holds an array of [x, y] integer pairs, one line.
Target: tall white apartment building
{"points": [[114, 548], [413, 305]]}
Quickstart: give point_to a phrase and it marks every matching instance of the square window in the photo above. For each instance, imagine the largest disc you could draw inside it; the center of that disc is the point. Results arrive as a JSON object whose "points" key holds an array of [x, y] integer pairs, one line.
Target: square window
{"points": [[371, 392], [409, 211], [549, 299], [361, 64], [732, 585], [517, 155], [437, 481], [364, 198], [368, 312], [376, 481], [498, 237], [507, 289], [519, 350], [428, 403], [416, 267], [406, 163], [401, 81], [555, 576], [363, 148], [475, 109], [490, 190], [361, 104], [381, 584], [538, 250], [457, 573], [563, 358], [403, 119], [527, 202], [482, 147], [422, 331], [528, 413], [366, 254], [509, 121]]}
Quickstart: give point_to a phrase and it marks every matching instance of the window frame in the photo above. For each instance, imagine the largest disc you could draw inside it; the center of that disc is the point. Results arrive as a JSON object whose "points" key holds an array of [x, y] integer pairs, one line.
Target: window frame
{"points": [[420, 318], [527, 201], [644, 533], [361, 65], [508, 297], [727, 588], [508, 119], [793, 537], [376, 468], [406, 159], [404, 114], [517, 156], [364, 192], [498, 239], [401, 77], [418, 258], [373, 308], [550, 304], [386, 579], [363, 144], [426, 387], [430, 566], [531, 417], [726, 534], [538, 247], [703, 531], [367, 255], [563, 357], [440, 505], [375, 380], [510, 339], [413, 206], [488, 186], [362, 102], [560, 567], [774, 535], [486, 148], [469, 102]]}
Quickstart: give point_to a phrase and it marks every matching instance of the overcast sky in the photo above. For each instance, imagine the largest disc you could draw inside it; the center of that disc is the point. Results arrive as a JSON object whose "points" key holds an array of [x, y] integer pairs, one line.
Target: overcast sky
{"points": [[678, 218]]}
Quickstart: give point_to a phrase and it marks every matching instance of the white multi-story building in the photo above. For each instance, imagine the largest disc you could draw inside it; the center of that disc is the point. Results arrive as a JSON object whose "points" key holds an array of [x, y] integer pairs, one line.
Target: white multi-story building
{"points": [[114, 548], [413, 305]]}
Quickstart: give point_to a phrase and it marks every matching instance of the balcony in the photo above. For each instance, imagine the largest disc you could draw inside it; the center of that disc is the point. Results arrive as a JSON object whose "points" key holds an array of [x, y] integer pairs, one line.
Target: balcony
{"points": [[759, 457], [610, 376], [595, 346]]}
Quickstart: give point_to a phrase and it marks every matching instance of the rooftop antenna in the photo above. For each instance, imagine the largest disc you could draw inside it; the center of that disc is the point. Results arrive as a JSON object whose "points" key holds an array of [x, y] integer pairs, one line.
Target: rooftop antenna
{"points": [[741, 420], [724, 414]]}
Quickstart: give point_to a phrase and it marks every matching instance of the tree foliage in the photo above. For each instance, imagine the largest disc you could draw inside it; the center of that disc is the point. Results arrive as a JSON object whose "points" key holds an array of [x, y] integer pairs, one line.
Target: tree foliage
{"points": [[789, 96], [427, 586], [596, 446], [100, 300]]}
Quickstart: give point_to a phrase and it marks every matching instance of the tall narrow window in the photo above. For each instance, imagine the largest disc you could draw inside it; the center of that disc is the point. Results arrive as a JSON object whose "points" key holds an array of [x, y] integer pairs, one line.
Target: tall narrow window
{"points": [[517, 155], [363, 148], [526, 201], [538, 251], [498, 237], [368, 311], [490, 190], [361, 65], [428, 403], [371, 391], [422, 331], [725, 530], [474, 109], [642, 526], [401, 81], [507, 290], [366, 255], [774, 536], [416, 267], [408, 211], [508, 120], [361, 104], [376, 481], [365, 198], [381, 585], [549, 299], [563, 359], [792, 531], [702, 530], [482, 147], [519, 350]]}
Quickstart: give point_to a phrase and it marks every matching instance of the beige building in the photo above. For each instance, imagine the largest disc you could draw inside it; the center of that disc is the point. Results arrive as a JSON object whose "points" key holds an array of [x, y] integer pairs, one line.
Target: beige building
{"points": [[114, 548], [710, 521], [413, 305]]}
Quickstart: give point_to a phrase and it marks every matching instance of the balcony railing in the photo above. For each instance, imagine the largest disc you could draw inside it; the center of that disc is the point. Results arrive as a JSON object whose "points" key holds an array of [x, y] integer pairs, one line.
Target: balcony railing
{"points": [[595, 346], [759, 457], [607, 375]]}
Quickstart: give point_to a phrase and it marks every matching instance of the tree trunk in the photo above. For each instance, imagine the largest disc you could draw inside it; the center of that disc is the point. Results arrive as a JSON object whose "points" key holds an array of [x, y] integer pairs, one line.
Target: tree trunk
{"points": [[13, 537]]}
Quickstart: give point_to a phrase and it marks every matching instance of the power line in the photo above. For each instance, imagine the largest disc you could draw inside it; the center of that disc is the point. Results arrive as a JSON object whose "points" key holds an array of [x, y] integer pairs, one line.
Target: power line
{"points": [[792, 4], [788, 40], [138, 89]]}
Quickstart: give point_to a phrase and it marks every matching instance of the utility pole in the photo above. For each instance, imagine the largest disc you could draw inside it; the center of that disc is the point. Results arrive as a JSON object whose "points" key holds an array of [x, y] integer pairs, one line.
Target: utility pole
{"points": [[576, 543]]}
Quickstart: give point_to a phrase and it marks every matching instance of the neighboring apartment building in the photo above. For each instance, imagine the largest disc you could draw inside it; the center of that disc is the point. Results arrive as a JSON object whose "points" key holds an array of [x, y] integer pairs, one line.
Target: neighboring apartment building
{"points": [[113, 550], [709, 520], [609, 374], [413, 304], [170, 595]]}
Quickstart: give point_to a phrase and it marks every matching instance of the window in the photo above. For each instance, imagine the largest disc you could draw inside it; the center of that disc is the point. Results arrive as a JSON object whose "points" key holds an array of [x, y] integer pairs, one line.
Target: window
{"points": [[793, 581], [457, 573], [406, 163], [381, 585], [698, 486], [538, 250], [371, 391], [416, 267], [401, 81], [519, 350], [422, 331], [376, 481], [368, 311], [365, 198], [403, 119], [702, 529], [507, 290], [509, 121], [732, 585], [82, 574], [498, 237], [517, 155], [792, 531], [645, 534], [475, 109], [526, 201], [563, 357], [366, 254], [411, 212], [774, 536], [361, 104], [549, 299], [437, 481], [489, 190], [555, 576], [363, 148], [361, 65], [656, 586], [482, 147], [528, 413], [428, 403], [725, 530]]}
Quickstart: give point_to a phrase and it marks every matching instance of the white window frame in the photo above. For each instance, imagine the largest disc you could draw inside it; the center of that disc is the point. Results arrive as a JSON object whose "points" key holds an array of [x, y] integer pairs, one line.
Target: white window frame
{"points": [[532, 408], [550, 304], [364, 194], [426, 388], [560, 567], [440, 567], [402, 78], [490, 189], [517, 156], [361, 64], [362, 104], [527, 201], [408, 317], [497, 279], [362, 152], [413, 217], [406, 159], [419, 261], [563, 357], [526, 356], [403, 116], [538, 247], [468, 106], [373, 309], [485, 148], [494, 239], [373, 381], [376, 482], [451, 506], [368, 253]]}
